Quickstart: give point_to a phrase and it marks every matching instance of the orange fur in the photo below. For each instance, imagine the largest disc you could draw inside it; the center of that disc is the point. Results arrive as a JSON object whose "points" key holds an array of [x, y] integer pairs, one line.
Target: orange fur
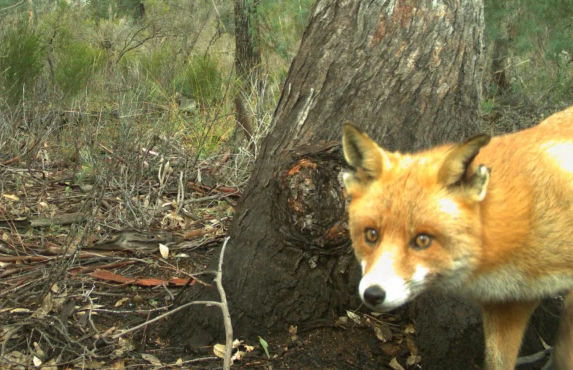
{"points": [[504, 239]]}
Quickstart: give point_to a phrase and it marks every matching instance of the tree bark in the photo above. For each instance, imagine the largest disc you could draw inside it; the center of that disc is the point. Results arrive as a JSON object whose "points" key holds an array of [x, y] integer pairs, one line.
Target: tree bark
{"points": [[247, 65], [247, 51], [409, 74]]}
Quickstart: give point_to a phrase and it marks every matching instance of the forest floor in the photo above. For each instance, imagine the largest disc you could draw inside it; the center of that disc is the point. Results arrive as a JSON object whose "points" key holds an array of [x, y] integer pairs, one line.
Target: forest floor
{"points": [[65, 307]]}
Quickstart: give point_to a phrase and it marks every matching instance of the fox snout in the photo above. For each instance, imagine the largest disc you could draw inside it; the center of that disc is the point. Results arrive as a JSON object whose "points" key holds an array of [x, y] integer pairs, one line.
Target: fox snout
{"points": [[383, 290], [374, 296]]}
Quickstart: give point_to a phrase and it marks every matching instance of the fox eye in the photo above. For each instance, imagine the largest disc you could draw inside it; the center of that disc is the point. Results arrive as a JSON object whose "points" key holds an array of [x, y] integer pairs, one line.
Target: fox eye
{"points": [[371, 236], [422, 241]]}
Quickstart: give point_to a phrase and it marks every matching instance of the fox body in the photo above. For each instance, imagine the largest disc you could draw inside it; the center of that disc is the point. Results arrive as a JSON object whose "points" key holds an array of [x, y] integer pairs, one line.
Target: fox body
{"points": [[488, 219]]}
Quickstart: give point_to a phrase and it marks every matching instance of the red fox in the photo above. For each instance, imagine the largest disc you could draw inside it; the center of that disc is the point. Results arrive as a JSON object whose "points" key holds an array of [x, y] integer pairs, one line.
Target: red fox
{"points": [[491, 219]]}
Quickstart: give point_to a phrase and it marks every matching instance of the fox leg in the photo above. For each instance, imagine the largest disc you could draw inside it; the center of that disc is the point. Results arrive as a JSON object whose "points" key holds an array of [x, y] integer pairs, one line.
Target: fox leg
{"points": [[563, 350], [504, 325]]}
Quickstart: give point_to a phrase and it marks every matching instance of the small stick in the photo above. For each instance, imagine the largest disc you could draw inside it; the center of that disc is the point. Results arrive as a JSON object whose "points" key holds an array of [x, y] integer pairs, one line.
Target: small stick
{"points": [[225, 308]]}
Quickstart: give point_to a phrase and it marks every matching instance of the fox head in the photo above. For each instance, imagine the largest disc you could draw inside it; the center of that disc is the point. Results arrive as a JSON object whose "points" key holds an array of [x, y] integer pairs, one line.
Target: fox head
{"points": [[414, 219]]}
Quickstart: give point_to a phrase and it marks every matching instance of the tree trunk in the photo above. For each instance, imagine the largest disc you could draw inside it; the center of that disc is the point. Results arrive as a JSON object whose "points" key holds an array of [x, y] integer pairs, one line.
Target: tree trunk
{"points": [[247, 65], [409, 74], [247, 52]]}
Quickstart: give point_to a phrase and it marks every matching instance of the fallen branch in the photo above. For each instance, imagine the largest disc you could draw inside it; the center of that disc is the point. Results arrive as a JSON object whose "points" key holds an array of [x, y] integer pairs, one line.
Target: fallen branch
{"points": [[65, 219], [47, 258], [18, 157], [86, 269], [231, 191]]}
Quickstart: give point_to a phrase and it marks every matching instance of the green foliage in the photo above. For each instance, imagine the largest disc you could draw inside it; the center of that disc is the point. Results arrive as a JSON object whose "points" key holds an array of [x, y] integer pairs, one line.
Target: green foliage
{"points": [[159, 64], [282, 24], [21, 61], [544, 25], [7, 3], [77, 63], [109, 9], [201, 80], [537, 48], [265, 346]]}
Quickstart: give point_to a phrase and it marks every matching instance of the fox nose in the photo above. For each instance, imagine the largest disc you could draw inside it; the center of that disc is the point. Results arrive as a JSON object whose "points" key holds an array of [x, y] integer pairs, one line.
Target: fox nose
{"points": [[374, 295]]}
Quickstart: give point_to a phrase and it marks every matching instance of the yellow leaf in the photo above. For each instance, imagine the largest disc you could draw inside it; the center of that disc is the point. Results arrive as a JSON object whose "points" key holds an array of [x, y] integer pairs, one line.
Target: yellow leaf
{"points": [[11, 197], [164, 250], [395, 365], [152, 359], [219, 350], [121, 301]]}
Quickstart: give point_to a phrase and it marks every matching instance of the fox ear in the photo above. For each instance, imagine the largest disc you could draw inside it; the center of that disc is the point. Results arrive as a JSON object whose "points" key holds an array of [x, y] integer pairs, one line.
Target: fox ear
{"points": [[364, 154], [456, 163], [477, 184]]}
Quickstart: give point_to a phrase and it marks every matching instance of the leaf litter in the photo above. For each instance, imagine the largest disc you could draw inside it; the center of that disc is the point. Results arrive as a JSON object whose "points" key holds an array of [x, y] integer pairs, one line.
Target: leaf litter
{"points": [[73, 273]]}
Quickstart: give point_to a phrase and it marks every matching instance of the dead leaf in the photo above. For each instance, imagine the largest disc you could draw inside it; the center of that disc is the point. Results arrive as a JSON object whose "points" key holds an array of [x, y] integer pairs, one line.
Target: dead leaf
{"points": [[17, 357], [413, 359], [195, 233], [219, 350], [164, 250], [395, 365], [354, 317], [412, 345], [292, 330], [238, 356], [11, 197], [36, 361], [172, 219], [94, 365], [121, 301], [151, 359], [410, 329], [182, 255], [45, 308], [389, 349], [50, 365], [120, 364], [39, 351], [383, 333]]}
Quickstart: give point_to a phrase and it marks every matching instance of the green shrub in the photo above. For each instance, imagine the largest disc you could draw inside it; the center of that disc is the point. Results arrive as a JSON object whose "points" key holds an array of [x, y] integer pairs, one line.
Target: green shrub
{"points": [[21, 61], [100, 9], [282, 24], [201, 80], [77, 63], [159, 65]]}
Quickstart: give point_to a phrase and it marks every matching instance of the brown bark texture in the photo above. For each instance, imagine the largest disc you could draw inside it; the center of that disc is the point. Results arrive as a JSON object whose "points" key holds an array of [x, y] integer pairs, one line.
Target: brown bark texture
{"points": [[409, 74], [247, 51], [247, 64]]}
